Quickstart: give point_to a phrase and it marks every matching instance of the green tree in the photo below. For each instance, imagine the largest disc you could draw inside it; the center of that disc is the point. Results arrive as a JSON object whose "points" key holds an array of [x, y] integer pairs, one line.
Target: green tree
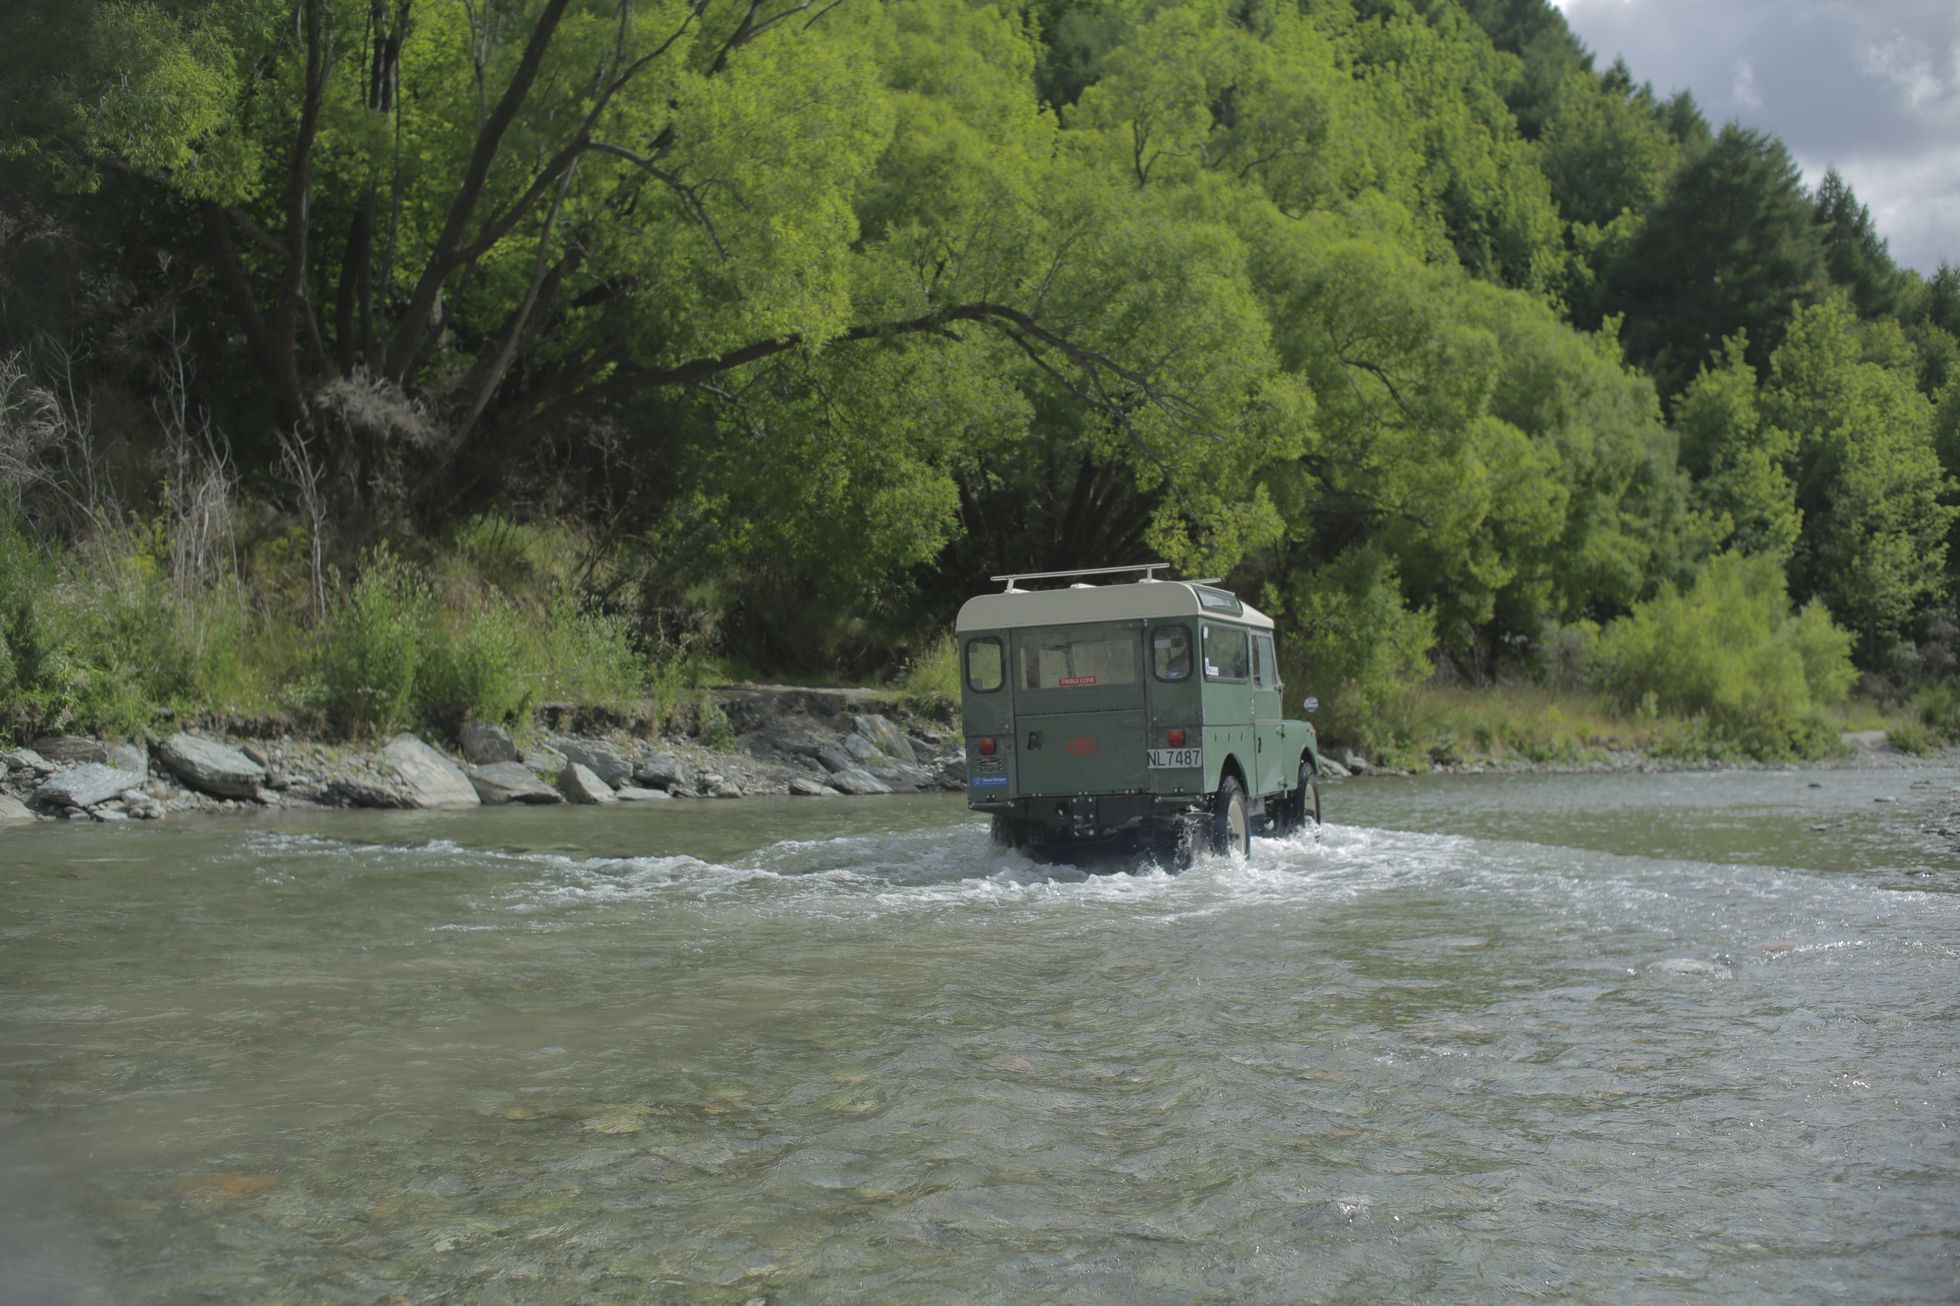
{"points": [[1738, 461], [1730, 248], [1869, 482]]}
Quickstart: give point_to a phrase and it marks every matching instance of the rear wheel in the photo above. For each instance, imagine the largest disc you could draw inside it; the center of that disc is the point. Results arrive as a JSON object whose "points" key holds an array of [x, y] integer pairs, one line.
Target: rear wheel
{"points": [[1008, 831], [1231, 822]]}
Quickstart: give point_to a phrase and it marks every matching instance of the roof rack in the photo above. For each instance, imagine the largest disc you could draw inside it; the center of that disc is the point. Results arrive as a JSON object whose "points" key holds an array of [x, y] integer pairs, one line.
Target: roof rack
{"points": [[1149, 570]]}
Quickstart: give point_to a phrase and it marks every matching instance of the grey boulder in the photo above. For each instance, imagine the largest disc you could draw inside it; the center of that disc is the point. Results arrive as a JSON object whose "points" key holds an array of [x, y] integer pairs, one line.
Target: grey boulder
{"points": [[129, 757], [210, 767], [635, 794], [427, 778], [486, 745], [601, 761], [855, 780], [84, 787], [26, 759], [580, 785], [70, 750], [511, 782], [660, 771], [13, 810], [888, 737], [803, 787]]}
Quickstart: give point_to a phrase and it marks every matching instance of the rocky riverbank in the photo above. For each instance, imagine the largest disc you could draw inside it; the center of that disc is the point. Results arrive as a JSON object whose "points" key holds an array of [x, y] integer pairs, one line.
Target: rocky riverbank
{"points": [[762, 740], [749, 741]]}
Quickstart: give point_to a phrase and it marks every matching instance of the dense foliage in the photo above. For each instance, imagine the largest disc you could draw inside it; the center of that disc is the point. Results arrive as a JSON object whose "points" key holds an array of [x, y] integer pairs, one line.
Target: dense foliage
{"points": [[809, 315]]}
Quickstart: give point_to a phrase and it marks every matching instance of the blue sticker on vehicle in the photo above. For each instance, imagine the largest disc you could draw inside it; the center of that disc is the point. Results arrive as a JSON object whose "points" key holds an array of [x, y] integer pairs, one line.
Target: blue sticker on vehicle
{"points": [[989, 782]]}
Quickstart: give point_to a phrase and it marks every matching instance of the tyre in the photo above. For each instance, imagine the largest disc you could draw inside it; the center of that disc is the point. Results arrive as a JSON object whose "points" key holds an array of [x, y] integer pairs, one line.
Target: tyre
{"points": [[1231, 822], [1309, 797], [1007, 831]]}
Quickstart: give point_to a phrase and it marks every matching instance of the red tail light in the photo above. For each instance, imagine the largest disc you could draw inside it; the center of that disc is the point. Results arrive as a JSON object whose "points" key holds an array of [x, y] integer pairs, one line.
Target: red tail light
{"points": [[1175, 737], [986, 746]]}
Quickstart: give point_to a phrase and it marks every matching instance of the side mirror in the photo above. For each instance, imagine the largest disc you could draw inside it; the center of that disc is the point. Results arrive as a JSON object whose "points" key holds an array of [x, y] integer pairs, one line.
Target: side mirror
{"points": [[1311, 705]]}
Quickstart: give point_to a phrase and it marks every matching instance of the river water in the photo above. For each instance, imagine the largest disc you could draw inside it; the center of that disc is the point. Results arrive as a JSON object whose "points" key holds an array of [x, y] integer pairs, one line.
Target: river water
{"points": [[1612, 1038]]}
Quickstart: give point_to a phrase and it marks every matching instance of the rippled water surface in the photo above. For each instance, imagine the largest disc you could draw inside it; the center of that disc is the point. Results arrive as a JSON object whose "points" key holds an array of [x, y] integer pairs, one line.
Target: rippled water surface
{"points": [[1611, 1038]]}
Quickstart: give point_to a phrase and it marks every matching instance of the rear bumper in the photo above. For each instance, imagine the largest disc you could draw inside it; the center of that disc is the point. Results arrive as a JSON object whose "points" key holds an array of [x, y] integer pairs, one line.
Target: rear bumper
{"points": [[1093, 816]]}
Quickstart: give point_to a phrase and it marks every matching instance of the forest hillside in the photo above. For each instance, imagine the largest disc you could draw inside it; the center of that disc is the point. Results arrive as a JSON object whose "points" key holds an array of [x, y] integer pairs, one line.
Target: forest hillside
{"points": [[410, 360]]}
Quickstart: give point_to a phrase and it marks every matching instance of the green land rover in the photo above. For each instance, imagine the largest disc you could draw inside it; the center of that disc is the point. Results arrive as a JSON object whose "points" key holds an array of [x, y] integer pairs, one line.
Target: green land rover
{"points": [[1146, 711]]}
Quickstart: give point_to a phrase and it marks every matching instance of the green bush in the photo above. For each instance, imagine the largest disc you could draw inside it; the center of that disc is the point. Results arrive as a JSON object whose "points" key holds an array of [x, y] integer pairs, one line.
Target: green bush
{"points": [[1912, 737], [583, 656], [1730, 652], [39, 680], [474, 671], [372, 646], [930, 683], [1349, 641], [1938, 710]]}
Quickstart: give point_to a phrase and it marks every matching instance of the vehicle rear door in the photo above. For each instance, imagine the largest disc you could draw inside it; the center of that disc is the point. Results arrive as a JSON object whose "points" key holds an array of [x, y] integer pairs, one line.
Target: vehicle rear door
{"points": [[1079, 708]]}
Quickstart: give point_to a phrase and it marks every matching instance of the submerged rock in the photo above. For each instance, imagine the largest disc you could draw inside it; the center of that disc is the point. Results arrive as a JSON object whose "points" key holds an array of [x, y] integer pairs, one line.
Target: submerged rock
{"points": [[511, 782], [211, 767], [427, 778], [579, 785], [84, 787]]}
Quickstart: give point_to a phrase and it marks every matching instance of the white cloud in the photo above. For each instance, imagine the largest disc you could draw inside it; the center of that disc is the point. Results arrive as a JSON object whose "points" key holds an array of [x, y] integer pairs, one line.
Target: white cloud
{"points": [[1872, 87], [1742, 84]]}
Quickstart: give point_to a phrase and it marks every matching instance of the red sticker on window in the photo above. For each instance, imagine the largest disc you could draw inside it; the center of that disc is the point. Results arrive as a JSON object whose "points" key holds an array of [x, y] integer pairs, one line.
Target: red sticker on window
{"points": [[1070, 682]]}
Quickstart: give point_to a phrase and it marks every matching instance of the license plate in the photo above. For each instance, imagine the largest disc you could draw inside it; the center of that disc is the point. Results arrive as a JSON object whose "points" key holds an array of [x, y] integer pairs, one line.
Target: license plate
{"points": [[1174, 759]]}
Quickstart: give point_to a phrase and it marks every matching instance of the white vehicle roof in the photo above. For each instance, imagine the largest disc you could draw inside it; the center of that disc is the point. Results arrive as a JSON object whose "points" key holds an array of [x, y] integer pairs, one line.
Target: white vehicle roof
{"points": [[1137, 600]]}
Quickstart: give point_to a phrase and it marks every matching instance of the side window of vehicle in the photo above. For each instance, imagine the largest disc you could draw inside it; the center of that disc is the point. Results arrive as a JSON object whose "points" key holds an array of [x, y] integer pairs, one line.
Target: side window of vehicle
{"points": [[1265, 667], [1170, 652], [1228, 654], [986, 666]]}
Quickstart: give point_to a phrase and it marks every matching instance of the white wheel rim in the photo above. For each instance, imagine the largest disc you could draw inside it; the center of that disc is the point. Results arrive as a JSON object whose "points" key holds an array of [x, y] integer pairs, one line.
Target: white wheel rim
{"points": [[1235, 819]]}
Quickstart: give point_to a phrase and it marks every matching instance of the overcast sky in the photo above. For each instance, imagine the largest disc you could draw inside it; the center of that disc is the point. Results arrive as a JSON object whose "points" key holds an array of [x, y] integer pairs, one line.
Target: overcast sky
{"points": [[1871, 87]]}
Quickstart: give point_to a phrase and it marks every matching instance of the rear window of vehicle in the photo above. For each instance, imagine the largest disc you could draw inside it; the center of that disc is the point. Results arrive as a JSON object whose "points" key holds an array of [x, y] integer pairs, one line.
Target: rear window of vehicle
{"points": [[1228, 653], [1170, 652], [1077, 660], [985, 666]]}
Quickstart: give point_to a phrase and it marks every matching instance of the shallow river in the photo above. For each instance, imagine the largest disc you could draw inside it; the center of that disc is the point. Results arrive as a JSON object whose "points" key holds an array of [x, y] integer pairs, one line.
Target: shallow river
{"points": [[1613, 1038]]}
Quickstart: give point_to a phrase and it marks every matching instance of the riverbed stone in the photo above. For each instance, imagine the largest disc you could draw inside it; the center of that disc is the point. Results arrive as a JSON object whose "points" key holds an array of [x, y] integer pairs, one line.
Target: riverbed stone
{"points": [[211, 767], [427, 778], [487, 745], [635, 794], [511, 782], [70, 750], [600, 760], [887, 736], [141, 806], [836, 760], [84, 787], [660, 771], [543, 761], [803, 787], [13, 811], [129, 757], [861, 749], [856, 780], [26, 759], [1332, 770], [580, 785]]}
